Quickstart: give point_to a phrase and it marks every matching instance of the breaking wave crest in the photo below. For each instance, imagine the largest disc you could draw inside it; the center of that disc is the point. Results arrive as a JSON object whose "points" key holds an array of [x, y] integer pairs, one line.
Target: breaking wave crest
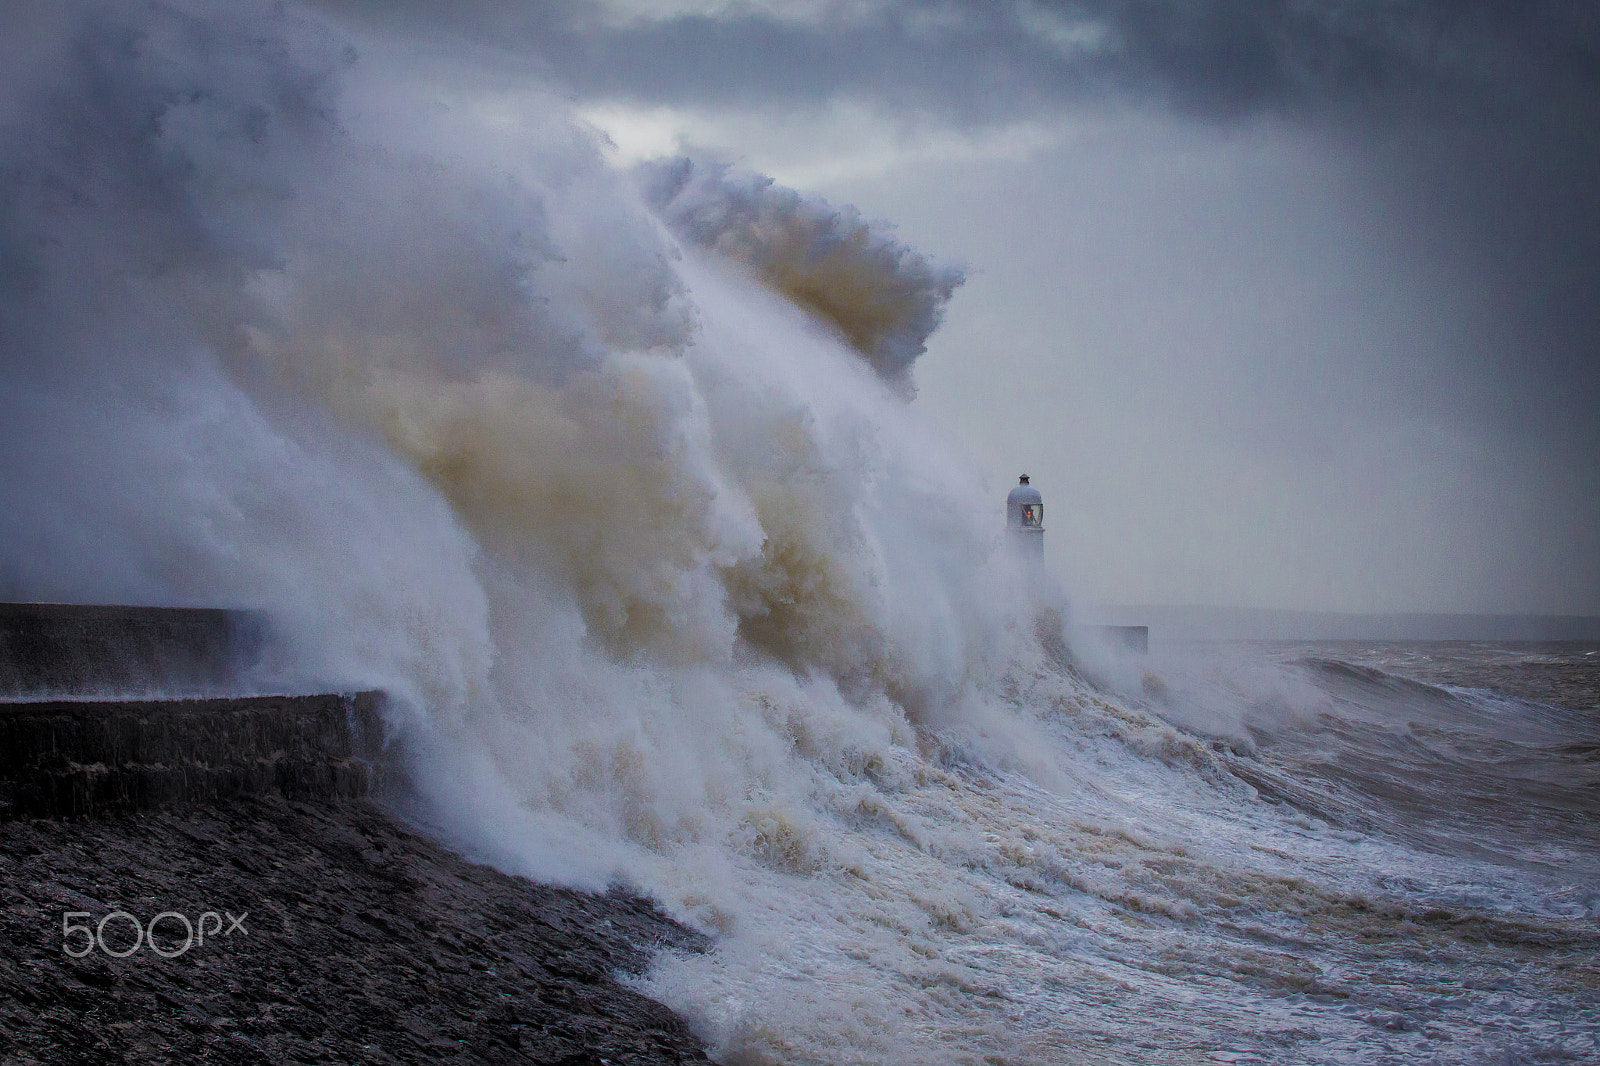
{"points": [[882, 297]]}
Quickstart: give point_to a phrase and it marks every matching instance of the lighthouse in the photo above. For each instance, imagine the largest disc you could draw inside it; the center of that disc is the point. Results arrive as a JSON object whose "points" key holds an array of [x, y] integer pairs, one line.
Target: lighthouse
{"points": [[1025, 519]]}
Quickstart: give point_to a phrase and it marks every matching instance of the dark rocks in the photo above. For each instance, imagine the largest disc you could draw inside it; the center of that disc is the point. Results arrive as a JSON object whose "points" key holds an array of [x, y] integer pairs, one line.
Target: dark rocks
{"points": [[360, 942]]}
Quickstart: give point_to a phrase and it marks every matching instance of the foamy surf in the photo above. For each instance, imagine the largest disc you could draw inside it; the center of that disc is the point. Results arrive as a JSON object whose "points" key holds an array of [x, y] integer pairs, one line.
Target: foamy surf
{"points": [[611, 481]]}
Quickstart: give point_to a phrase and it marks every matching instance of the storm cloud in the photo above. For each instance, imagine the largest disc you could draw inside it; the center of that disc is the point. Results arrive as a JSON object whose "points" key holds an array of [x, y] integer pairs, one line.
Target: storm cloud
{"points": [[985, 58]]}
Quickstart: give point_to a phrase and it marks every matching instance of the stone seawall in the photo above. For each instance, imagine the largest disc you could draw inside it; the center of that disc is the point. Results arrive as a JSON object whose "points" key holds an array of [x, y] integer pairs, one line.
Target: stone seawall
{"points": [[78, 758], [74, 649], [360, 939]]}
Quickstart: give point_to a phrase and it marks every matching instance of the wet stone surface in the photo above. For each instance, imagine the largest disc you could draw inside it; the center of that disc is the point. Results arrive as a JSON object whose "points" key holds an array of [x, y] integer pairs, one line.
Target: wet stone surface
{"points": [[361, 941]]}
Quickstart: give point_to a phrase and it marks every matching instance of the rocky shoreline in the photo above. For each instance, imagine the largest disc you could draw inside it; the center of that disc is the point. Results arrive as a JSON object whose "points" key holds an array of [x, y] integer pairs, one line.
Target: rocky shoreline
{"points": [[361, 941]]}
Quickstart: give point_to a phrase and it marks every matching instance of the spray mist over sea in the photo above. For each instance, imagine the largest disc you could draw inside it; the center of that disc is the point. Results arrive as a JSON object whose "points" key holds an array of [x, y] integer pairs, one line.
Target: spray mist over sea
{"points": [[611, 479]]}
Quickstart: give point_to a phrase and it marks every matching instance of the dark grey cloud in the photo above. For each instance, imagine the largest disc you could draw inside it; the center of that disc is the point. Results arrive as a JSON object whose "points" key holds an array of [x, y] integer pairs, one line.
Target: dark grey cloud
{"points": [[1232, 56], [993, 58]]}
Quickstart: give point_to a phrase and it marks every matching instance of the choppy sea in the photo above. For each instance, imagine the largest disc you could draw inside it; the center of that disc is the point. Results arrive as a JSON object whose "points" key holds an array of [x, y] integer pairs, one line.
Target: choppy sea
{"points": [[1258, 852]]}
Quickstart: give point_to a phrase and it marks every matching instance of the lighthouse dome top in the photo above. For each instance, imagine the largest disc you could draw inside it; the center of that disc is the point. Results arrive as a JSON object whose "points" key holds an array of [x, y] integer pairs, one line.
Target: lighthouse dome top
{"points": [[1023, 493]]}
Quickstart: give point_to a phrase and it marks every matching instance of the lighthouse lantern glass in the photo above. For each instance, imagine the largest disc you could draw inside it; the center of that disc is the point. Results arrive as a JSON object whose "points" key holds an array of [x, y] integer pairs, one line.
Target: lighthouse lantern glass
{"points": [[1033, 515]]}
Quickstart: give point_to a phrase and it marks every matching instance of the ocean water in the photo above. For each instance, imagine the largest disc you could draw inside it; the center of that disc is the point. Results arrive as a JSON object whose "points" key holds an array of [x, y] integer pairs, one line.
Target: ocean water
{"points": [[1268, 853], [615, 481]]}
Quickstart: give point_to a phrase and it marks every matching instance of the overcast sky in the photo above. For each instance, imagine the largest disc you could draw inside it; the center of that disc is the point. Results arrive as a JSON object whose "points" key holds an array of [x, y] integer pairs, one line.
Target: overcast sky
{"points": [[1282, 304]]}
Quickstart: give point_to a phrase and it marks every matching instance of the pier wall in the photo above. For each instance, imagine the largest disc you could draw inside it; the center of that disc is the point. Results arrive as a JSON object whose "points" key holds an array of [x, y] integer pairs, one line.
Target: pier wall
{"points": [[79, 758], [72, 649]]}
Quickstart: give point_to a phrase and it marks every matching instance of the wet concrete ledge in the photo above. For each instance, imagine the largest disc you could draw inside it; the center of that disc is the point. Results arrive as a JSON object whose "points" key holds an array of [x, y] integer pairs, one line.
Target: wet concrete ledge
{"points": [[110, 649], [83, 758]]}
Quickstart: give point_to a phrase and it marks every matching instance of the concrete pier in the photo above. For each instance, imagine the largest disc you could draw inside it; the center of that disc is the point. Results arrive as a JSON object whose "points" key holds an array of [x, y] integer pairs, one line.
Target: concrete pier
{"points": [[73, 759], [70, 649], [365, 942], [1130, 638], [111, 708]]}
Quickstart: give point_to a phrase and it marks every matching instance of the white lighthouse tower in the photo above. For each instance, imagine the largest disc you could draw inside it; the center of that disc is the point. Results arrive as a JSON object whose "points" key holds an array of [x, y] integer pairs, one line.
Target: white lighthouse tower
{"points": [[1025, 519]]}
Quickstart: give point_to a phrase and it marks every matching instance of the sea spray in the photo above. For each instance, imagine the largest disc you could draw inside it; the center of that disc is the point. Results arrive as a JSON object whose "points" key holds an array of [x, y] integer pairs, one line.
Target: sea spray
{"points": [[883, 297]]}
